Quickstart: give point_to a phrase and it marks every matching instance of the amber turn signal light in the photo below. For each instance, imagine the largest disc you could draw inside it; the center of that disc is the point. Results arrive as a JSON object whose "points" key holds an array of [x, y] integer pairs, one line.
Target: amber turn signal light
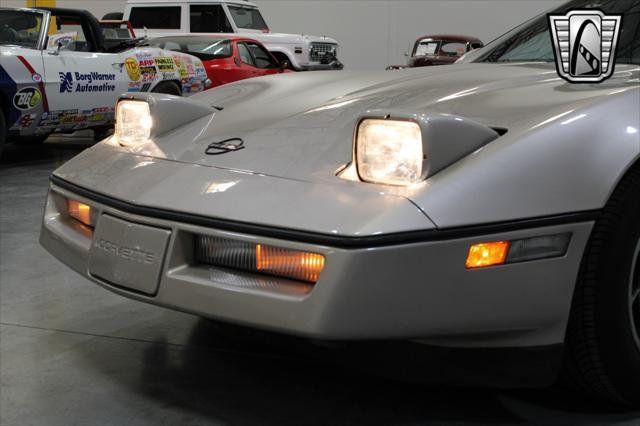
{"points": [[482, 255], [295, 264], [80, 212]]}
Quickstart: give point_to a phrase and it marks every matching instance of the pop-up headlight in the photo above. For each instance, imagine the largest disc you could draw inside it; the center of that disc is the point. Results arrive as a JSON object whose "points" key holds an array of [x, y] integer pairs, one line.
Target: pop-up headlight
{"points": [[389, 151], [133, 122]]}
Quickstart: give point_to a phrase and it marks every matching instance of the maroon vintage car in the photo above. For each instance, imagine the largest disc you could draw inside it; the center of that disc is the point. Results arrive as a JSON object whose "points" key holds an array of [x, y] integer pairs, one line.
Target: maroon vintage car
{"points": [[439, 50]]}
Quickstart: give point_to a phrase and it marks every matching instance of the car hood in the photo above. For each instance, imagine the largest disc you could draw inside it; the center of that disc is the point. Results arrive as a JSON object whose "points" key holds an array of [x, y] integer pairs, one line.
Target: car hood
{"points": [[283, 38], [301, 126]]}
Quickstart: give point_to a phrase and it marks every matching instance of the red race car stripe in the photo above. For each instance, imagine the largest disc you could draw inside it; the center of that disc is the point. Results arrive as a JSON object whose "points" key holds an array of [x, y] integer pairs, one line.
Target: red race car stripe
{"points": [[45, 102]]}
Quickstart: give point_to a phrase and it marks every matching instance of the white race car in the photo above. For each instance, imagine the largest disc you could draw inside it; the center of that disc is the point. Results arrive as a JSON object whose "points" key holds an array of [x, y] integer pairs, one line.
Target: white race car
{"points": [[58, 73]]}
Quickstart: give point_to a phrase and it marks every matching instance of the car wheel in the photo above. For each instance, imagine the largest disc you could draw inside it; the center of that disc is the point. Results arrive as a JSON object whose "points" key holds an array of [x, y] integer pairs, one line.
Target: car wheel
{"points": [[603, 338], [3, 131], [168, 87]]}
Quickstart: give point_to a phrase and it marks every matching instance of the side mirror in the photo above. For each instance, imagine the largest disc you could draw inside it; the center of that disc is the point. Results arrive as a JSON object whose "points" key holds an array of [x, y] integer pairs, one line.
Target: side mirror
{"points": [[406, 54], [59, 47]]}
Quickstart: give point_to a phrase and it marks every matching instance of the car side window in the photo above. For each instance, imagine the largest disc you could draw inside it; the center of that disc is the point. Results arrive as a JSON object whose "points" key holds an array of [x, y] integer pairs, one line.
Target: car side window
{"points": [[209, 18], [245, 55], [261, 57], [452, 48], [166, 17], [69, 33]]}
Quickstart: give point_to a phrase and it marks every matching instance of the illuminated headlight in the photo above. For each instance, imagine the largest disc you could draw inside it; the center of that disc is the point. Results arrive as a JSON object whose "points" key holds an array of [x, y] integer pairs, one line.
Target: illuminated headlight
{"points": [[133, 122], [389, 151]]}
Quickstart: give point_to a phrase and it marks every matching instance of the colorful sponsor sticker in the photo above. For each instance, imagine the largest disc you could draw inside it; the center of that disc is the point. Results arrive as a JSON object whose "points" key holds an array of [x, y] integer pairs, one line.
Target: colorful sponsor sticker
{"points": [[96, 117], [134, 86], [27, 98], [133, 69], [26, 120], [143, 55], [147, 63], [37, 78], [165, 63], [148, 77]]}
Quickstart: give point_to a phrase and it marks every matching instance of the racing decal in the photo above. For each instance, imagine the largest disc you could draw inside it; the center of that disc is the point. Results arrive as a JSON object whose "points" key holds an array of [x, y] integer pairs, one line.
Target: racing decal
{"points": [[86, 82], [182, 69], [27, 98], [144, 55], [149, 76], [134, 86], [26, 120], [66, 82], [73, 119], [165, 64], [38, 79], [145, 87], [133, 69]]}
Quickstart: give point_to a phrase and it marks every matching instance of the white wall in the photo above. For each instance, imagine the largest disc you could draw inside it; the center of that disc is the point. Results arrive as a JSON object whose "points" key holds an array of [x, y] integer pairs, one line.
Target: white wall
{"points": [[373, 33]]}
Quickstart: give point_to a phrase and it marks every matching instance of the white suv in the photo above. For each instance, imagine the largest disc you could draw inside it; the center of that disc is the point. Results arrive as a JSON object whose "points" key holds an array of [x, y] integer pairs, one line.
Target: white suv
{"points": [[171, 17]]}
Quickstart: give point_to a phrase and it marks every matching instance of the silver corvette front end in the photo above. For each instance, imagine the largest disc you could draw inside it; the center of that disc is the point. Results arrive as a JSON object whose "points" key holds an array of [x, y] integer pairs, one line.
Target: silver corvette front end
{"points": [[377, 285]]}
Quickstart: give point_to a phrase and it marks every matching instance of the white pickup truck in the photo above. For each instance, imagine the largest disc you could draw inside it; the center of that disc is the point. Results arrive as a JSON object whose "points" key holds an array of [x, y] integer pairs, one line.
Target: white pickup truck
{"points": [[171, 17]]}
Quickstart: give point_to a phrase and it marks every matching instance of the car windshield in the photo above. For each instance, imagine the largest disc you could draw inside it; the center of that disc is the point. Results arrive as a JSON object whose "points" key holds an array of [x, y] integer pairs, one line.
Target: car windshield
{"points": [[426, 47], [20, 28], [248, 18], [205, 49], [116, 30], [531, 42]]}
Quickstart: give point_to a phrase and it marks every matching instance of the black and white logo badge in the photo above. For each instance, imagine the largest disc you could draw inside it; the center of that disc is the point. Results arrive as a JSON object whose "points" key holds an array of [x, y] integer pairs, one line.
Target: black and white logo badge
{"points": [[585, 44]]}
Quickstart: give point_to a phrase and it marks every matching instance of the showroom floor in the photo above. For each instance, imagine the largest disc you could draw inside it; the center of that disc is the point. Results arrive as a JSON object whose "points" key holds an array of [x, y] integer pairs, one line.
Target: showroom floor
{"points": [[72, 353]]}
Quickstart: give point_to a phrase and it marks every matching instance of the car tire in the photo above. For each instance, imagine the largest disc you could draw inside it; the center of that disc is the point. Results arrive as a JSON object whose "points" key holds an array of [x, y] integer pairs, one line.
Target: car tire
{"points": [[168, 87], [602, 355], [3, 131]]}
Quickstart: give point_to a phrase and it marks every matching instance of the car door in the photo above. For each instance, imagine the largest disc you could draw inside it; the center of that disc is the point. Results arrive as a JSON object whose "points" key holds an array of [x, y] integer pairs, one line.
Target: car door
{"points": [[263, 61], [77, 77], [245, 63]]}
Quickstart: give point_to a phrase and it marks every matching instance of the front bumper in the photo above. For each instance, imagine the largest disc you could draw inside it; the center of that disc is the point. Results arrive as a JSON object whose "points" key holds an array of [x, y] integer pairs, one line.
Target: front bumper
{"points": [[417, 290], [334, 65]]}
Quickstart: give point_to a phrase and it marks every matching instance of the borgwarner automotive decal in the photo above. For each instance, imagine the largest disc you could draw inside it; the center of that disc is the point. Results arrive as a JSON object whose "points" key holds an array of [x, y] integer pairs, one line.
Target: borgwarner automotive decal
{"points": [[86, 82]]}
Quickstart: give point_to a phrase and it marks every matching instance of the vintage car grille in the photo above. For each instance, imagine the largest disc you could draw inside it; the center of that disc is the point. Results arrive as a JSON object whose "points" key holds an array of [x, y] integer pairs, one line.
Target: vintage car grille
{"points": [[319, 50]]}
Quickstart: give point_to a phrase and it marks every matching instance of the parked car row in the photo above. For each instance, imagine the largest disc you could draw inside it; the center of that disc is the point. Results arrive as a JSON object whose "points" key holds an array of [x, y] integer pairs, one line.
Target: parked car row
{"points": [[53, 57]]}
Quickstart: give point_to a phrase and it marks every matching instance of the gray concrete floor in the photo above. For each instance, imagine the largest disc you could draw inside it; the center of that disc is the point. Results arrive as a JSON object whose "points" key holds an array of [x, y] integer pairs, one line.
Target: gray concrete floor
{"points": [[72, 353]]}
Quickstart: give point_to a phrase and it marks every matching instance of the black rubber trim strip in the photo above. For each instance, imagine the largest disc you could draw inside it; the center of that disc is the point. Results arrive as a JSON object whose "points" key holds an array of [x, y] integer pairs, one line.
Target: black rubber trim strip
{"points": [[328, 239]]}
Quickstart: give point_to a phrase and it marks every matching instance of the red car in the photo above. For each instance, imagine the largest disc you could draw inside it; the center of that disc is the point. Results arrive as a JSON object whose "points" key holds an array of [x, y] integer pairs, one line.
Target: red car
{"points": [[225, 58], [439, 50]]}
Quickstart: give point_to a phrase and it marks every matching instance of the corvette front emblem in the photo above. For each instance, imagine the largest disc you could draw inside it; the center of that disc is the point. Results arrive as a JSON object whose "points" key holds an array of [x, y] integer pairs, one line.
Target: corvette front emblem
{"points": [[227, 145], [585, 44]]}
